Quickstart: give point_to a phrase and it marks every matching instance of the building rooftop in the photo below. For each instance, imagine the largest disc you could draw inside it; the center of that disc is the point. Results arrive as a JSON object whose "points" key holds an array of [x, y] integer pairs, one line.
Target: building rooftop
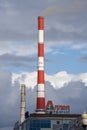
{"points": [[56, 115]]}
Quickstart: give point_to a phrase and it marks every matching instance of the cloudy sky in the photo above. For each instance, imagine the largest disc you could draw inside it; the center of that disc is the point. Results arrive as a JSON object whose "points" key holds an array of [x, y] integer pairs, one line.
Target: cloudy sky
{"points": [[65, 54]]}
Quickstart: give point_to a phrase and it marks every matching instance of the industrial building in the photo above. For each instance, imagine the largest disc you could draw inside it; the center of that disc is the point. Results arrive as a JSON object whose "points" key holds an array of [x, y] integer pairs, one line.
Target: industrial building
{"points": [[47, 116], [50, 122]]}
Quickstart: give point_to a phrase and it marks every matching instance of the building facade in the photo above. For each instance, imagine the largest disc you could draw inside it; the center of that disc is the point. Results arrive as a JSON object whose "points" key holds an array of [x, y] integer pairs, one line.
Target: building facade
{"points": [[51, 122]]}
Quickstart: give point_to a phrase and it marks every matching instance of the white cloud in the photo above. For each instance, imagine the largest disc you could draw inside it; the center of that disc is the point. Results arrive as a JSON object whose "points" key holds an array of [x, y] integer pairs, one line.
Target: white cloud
{"points": [[57, 80], [83, 77], [9, 97], [72, 89], [17, 48], [30, 79], [79, 46]]}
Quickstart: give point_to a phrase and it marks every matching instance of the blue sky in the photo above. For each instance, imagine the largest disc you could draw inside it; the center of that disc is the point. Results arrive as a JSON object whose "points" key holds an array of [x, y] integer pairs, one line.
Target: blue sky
{"points": [[65, 59], [65, 53]]}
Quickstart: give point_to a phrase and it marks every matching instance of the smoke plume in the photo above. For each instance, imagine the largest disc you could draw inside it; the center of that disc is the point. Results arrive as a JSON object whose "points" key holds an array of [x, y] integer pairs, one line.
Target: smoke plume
{"points": [[56, 9]]}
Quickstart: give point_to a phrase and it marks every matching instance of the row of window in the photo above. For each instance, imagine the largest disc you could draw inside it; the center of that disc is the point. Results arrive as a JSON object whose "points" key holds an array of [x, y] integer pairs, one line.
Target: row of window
{"points": [[37, 124], [40, 123]]}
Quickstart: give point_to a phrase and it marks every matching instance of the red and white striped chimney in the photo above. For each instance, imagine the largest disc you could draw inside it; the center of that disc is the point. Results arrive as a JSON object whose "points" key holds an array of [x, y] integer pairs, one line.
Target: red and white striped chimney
{"points": [[40, 90]]}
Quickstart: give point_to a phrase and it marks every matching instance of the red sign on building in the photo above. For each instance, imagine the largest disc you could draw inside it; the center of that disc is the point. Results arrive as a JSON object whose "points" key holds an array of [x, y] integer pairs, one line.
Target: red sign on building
{"points": [[57, 109]]}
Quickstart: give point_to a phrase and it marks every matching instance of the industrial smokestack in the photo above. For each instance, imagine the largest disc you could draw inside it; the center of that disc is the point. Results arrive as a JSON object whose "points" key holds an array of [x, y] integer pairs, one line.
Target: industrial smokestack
{"points": [[40, 81], [23, 102]]}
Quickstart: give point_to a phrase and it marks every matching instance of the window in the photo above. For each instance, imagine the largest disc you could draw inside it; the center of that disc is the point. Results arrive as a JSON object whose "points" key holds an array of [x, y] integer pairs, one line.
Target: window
{"points": [[58, 122]]}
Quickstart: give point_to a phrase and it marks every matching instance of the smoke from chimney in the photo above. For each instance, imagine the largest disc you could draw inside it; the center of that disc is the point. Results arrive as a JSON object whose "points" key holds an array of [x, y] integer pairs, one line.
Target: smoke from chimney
{"points": [[56, 9]]}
